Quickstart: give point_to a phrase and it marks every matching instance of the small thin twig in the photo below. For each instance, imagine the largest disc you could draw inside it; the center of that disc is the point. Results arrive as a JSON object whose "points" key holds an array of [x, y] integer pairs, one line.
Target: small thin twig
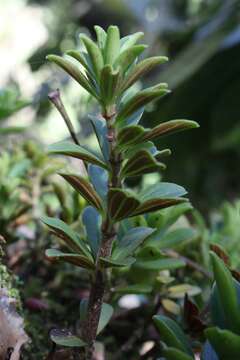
{"points": [[55, 98]]}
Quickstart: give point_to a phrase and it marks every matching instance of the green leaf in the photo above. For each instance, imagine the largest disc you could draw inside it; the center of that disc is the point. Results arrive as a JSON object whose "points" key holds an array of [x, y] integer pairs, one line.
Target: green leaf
{"points": [[121, 203], [12, 130], [110, 262], [138, 101], [173, 238], [128, 41], [99, 179], [131, 241], [10, 103], [84, 188], [65, 338], [73, 71], [105, 315], [112, 46], [225, 343], [172, 334], [75, 259], [127, 57], [76, 151], [92, 222], [101, 36], [100, 129], [163, 190], [130, 135], [175, 354], [170, 127], [150, 258], [141, 69], [108, 84], [227, 293], [94, 54], [141, 163], [70, 237], [135, 289], [132, 150], [157, 204], [77, 55], [179, 291]]}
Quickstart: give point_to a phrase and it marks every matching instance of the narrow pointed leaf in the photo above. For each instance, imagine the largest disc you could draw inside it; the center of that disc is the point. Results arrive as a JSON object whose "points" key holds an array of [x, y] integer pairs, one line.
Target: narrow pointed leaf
{"points": [[100, 129], [175, 354], [73, 71], [127, 57], [150, 258], [121, 204], [94, 54], [141, 69], [105, 316], [75, 259], [130, 135], [132, 150], [99, 179], [92, 222], [225, 343], [160, 196], [84, 188], [157, 204], [141, 163], [172, 334], [170, 127], [130, 40], [70, 237], [108, 84], [110, 262], [162, 190], [139, 100], [135, 289], [172, 239], [131, 241], [112, 46], [101, 36], [76, 151], [77, 55], [227, 293]]}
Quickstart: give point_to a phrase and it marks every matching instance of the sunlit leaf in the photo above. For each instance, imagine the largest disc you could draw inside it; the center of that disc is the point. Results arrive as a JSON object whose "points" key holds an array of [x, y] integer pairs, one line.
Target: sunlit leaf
{"points": [[94, 53], [112, 45], [141, 69], [73, 71]]}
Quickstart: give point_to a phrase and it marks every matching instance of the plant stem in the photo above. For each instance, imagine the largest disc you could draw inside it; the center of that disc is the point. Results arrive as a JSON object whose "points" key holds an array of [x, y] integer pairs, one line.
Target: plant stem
{"points": [[108, 234], [55, 98]]}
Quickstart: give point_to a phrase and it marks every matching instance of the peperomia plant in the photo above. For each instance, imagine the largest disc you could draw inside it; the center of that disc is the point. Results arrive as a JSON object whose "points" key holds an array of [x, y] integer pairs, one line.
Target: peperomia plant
{"points": [[108, 70]]}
